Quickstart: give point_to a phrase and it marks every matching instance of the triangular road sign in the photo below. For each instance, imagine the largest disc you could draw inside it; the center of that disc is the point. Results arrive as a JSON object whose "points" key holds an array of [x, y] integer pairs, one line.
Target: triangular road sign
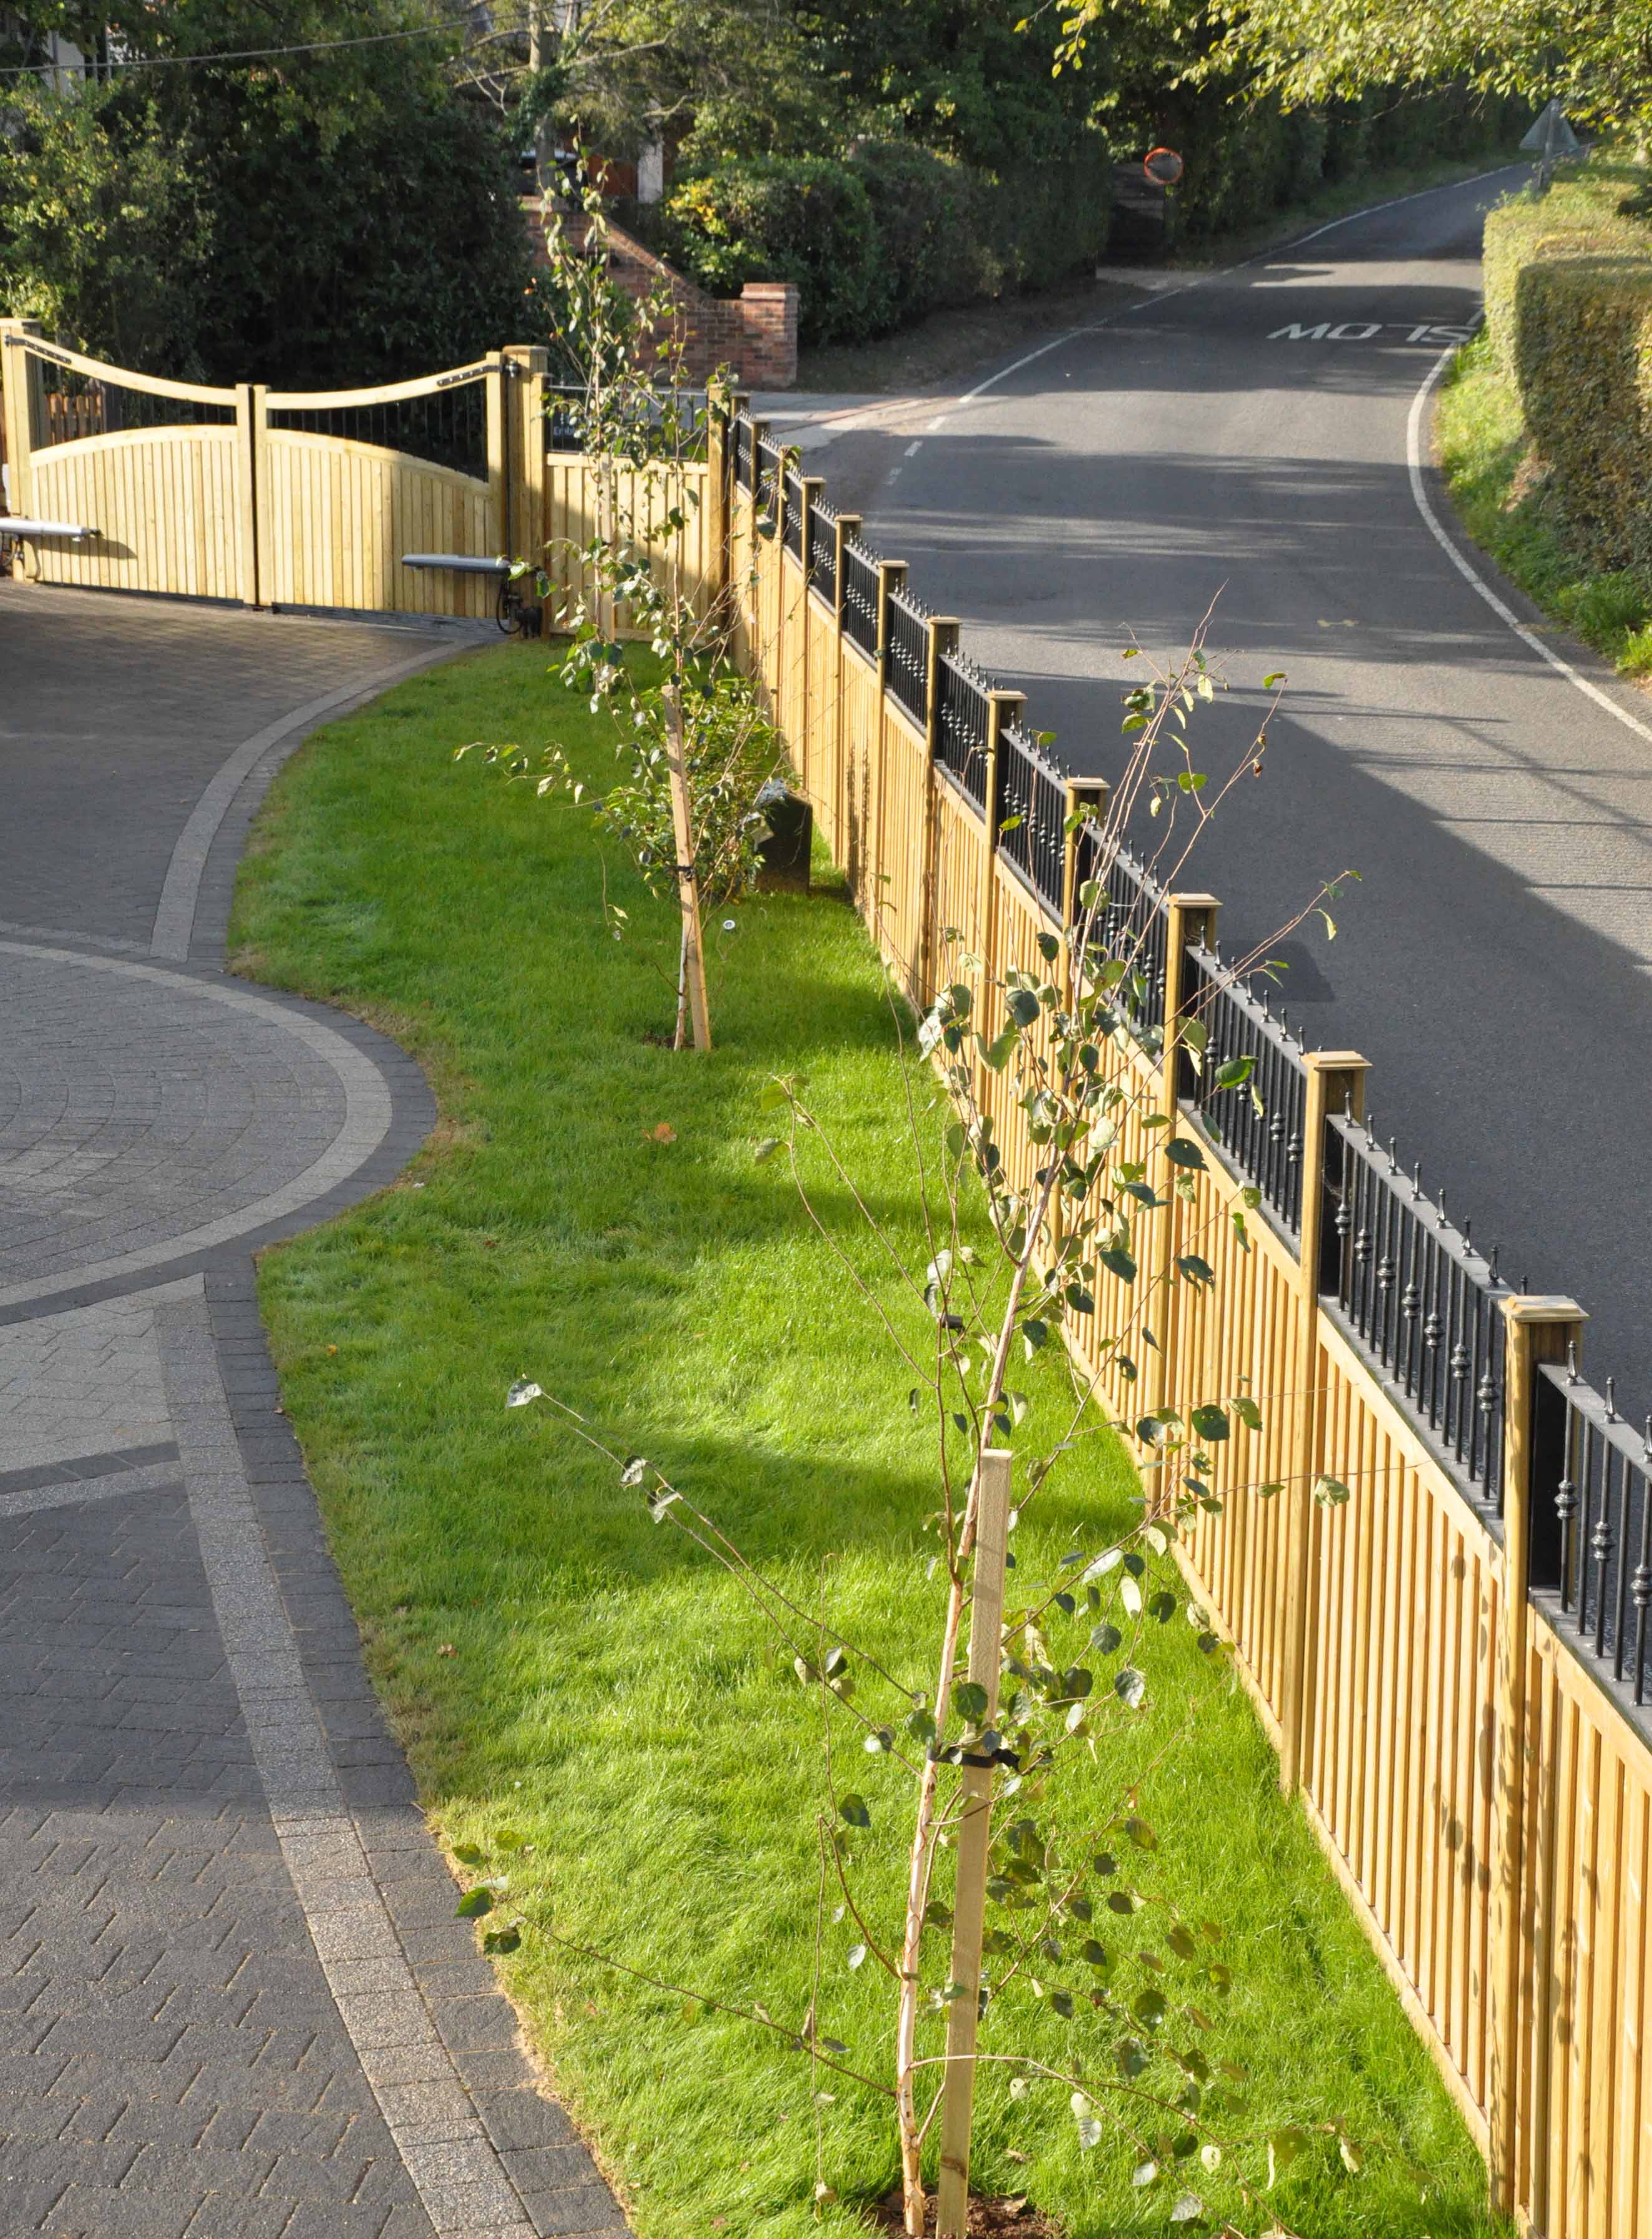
{"points": [[1551, 135]]}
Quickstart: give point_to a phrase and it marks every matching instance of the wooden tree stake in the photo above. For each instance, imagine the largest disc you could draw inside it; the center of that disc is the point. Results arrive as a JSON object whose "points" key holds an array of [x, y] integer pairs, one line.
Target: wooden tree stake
{"points": [[974, 1837], [693, 955]]}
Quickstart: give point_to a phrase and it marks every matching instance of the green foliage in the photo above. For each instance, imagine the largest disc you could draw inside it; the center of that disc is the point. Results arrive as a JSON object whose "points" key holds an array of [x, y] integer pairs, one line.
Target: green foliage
{"points": [[1595, 55], [1569, 311], [929, 211], [804, 218], [1514, 510], [105, 233], [1249, 160], [321, 219]]}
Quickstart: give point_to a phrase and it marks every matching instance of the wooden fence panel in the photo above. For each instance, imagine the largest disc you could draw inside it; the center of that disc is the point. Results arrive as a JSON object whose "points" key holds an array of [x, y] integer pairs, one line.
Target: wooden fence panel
{"points": [[1400, 1769], [1583, 2140], [168, 505], [336, 516]]}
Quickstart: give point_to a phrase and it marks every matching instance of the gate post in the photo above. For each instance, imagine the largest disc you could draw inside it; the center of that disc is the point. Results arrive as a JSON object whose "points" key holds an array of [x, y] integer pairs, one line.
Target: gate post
{"points": [[249, 416], [1535, 1330], [496, 385], [23, 397], [525, 400]]}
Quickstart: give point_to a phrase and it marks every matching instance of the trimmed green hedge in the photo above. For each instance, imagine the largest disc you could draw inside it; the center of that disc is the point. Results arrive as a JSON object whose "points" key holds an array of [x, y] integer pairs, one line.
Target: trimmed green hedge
{"points": [[1246, 163], [803, 218], [1569, 314], [891, 234]]}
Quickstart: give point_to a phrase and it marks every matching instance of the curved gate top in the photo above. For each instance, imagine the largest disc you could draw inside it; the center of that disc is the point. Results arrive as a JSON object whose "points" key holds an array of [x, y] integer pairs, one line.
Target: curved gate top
{"points": [[300, 498]]}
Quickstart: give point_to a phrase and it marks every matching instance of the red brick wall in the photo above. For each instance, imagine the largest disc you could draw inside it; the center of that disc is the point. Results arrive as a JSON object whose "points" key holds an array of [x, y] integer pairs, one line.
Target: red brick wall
{"points": [[754, 334]]}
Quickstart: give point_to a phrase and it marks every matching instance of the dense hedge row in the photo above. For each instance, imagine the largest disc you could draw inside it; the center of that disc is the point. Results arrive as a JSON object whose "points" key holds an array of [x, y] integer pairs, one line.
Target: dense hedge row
{"points": [[1568, 310], [889, 234], [1245, 164], [894, 231]]}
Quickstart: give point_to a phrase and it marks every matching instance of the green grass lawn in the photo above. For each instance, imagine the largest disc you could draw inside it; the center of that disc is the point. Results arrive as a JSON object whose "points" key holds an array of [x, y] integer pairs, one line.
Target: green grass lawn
{"points": [[1511, 513], [610, 1695]]}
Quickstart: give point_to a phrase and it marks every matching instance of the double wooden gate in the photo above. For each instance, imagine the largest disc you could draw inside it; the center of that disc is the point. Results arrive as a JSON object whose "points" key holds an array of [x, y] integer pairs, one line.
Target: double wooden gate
{"points": [[270, 497]]}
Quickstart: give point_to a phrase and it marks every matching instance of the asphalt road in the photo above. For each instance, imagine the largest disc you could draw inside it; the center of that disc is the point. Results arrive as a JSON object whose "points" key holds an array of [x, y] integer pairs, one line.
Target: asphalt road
{"points": [[1243, 440]]}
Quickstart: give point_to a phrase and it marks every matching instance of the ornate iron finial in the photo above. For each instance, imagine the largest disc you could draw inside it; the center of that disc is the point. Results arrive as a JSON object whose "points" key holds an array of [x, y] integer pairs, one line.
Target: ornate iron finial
{"points": [[1468, 1226], [1492, 1263], [1611, 1399], [1572, 1361], [1393, 1154], [1416, 1181], [1443, 1222]]}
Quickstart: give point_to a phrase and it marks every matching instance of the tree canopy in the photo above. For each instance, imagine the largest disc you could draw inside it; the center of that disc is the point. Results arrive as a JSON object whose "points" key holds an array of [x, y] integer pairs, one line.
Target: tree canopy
{"points": [[333, 214]]}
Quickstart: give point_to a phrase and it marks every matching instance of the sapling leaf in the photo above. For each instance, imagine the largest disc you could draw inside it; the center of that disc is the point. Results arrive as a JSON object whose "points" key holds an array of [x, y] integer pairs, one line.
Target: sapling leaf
{"points": [[470, 1854], [473, 1903], [853, 1808], [1130, 1687], [499, 1940], [521, 1391]]}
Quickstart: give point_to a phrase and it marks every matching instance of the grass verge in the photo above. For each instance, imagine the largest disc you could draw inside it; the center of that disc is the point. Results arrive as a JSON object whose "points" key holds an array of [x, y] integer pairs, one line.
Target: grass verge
{"points": [[561, 1668], [1508, 506]]}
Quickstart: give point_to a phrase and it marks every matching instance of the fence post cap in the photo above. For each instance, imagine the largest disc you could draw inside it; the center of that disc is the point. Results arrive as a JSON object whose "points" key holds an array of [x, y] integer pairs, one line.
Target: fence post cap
{"points": [[1545, 1309], [1000, 692], [1335, 1061], [1194, 901]]}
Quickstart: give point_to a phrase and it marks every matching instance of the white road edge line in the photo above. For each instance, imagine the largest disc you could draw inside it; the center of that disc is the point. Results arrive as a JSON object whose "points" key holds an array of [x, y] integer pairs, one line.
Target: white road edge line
{"points": [[1471, 575]]}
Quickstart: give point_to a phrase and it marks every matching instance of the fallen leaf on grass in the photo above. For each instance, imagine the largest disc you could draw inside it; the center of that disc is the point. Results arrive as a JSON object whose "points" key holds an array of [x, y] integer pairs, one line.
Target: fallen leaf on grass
{"points": [[447, 1649], [665, 1132]]}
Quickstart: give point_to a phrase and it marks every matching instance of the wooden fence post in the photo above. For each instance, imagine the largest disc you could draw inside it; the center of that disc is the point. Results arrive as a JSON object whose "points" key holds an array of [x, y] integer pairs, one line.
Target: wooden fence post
{"points": [[943, 638], [1093, 794], [22, 396], [1002, 709], [849, 525], [1535, 1330], [525, 400], [974, 1840], [264, 539], [813, 485], [891, 576], [1190, 920], [719, 409], [1336, 1083]]}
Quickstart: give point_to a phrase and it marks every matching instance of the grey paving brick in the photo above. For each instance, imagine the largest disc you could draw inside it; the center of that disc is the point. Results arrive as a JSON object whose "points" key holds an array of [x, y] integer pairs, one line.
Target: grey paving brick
{"points": [[222, 2010]]}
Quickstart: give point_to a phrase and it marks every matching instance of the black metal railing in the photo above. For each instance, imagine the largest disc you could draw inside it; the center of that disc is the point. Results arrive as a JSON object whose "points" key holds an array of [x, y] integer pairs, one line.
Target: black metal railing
{"points": [[768, 460], [820, 564], [860, 596], [793, 530], [962, 716], [1127, 926], [663, 423], [78, 404], [1255, 1109], [1592, 1520], [1032, 812], [740, 451], [448, 426], [906, 652], [1418, 1300]]}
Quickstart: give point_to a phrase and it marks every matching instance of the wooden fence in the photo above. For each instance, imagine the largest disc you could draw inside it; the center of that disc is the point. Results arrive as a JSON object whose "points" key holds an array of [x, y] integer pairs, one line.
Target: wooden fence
{"points": [[1449, 1662], [1452, 1662], [308, 499]]}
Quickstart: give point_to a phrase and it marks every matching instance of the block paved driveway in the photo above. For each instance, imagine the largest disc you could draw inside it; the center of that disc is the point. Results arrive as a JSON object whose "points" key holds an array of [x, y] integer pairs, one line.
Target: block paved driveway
{"points": [[234, 2002]]}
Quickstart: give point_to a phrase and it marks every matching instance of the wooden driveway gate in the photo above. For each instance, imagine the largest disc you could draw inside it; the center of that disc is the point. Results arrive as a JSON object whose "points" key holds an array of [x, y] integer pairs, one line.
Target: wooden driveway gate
{"points": [[304, 498]]}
